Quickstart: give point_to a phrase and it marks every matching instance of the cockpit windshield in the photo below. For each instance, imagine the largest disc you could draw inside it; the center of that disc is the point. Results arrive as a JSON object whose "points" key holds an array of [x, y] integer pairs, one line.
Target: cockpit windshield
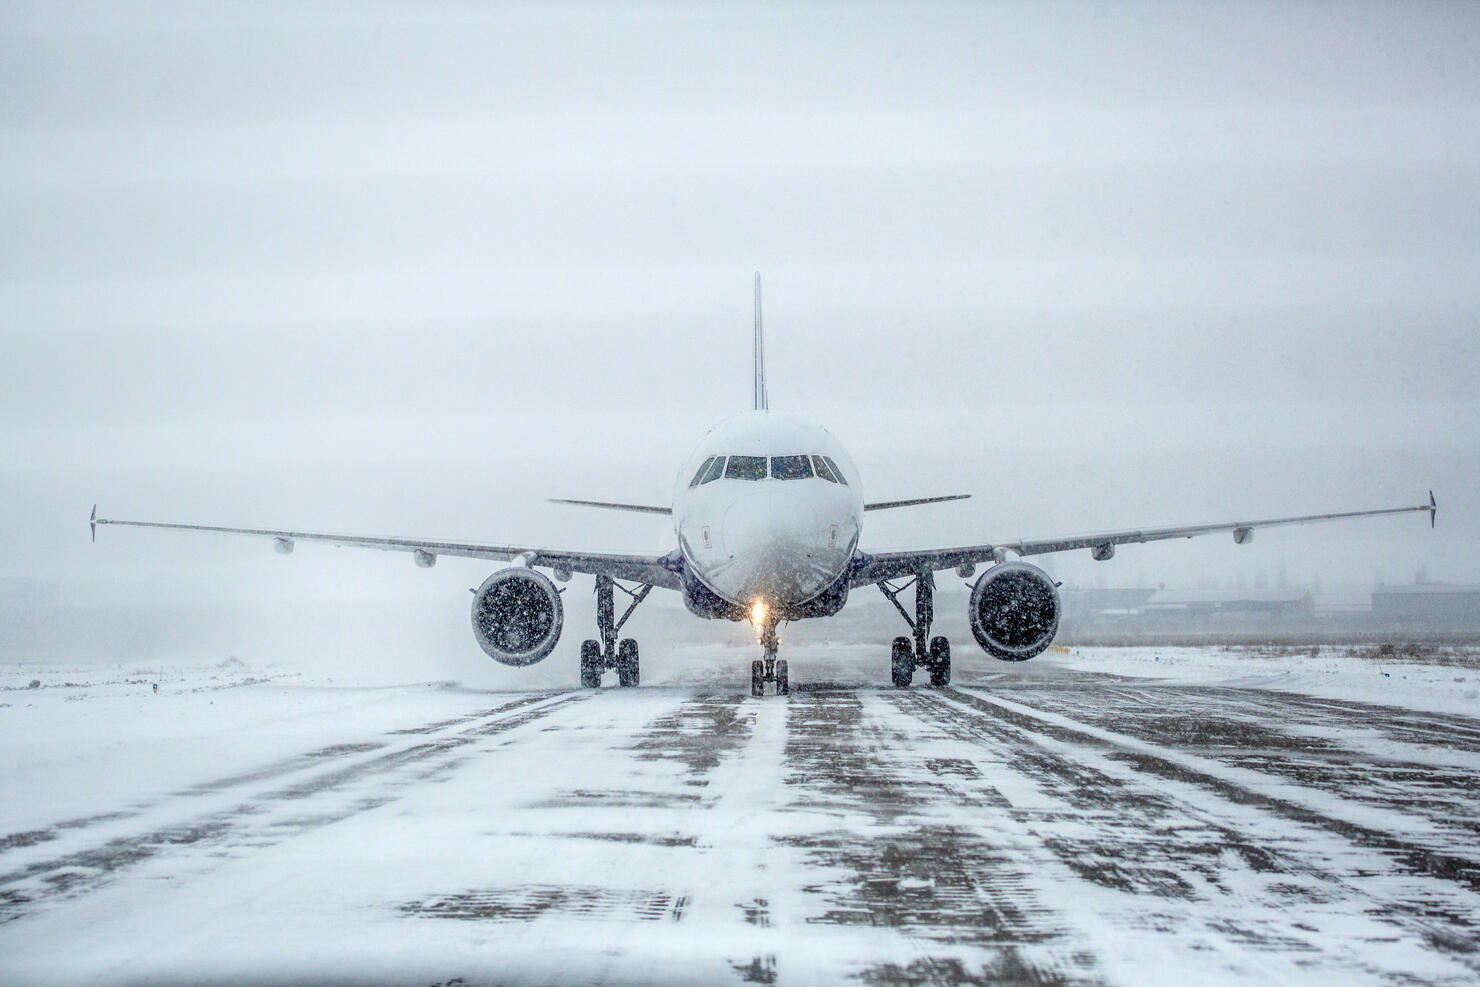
{"points": [[790, 467], [746, 468], [715, 471], [699, 475], [799, 467]]}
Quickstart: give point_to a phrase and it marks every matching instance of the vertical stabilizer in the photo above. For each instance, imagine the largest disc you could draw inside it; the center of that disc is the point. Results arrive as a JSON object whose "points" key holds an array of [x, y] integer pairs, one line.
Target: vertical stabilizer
{"points": [[761, 401]]}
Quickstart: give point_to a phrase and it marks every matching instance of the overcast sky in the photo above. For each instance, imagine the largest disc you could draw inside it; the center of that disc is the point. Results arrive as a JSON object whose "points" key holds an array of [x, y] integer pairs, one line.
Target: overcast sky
{"points": [[411, 269]]}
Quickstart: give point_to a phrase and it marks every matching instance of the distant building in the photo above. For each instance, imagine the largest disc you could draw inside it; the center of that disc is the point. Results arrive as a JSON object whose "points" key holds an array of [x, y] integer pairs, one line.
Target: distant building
{"points": [[1427, 605], [1145, 613], [1095, 602], [1279, 604], [1141, 615]]}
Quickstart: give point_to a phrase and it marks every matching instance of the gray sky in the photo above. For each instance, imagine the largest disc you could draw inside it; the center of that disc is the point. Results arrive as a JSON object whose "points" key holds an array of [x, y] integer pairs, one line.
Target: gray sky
{"points": [[412, 268]]}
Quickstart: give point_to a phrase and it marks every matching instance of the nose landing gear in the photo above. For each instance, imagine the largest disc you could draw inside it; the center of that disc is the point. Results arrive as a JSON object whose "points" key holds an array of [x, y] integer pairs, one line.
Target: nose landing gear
{"points": [[932, 654], [769, 669], [598, 656]]}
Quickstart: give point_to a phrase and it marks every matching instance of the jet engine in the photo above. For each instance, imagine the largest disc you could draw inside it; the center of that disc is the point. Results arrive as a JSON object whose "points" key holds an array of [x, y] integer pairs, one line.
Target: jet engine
{"points": [[517, 616], [1014, 611]]}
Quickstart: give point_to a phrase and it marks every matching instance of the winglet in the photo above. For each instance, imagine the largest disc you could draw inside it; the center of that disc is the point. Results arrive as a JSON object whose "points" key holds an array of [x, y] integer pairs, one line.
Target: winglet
{"points": [[1433, 509], [92, 522], [762, 402]]}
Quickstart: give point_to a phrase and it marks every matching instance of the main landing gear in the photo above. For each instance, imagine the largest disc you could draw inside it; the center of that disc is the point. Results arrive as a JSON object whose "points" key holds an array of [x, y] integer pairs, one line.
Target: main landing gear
{"points": [[598, 656], [906, 655], [769, 669]]}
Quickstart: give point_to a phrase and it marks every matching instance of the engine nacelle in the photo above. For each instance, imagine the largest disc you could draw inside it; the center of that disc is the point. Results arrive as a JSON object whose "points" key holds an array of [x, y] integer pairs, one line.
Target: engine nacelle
{"points": [[1014, 611], [517, 616]]}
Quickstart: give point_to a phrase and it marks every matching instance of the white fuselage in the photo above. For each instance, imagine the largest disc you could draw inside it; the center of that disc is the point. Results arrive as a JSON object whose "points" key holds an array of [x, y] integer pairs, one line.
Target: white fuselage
{"points": [[778, 516]]}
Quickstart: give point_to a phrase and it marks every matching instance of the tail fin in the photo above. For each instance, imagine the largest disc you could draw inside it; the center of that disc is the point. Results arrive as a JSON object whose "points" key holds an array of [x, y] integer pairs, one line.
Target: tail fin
{"points": [[762, 402]]}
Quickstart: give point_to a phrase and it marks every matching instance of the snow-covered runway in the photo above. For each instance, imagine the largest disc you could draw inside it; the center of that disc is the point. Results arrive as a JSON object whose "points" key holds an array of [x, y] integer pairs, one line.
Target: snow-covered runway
{"points": [[1059, 825]]}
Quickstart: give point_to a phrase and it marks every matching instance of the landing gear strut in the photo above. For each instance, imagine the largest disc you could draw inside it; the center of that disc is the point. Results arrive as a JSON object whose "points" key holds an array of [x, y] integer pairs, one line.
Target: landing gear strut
{"points": [[598, 656], [769, 669], [932, 654]]}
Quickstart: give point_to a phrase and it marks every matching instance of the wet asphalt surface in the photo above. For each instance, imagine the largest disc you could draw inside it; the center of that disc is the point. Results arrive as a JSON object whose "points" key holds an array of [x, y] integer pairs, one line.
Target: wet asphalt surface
{"points": [[1080, 829]]}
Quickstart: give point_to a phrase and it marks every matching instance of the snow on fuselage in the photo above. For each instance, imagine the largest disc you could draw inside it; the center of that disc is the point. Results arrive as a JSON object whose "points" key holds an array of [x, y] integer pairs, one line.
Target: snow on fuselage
{"points": [[768, 509]]}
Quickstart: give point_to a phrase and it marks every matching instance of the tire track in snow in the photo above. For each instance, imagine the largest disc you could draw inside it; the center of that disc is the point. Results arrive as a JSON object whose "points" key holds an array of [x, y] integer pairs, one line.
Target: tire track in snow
{"points": [[1088, 693], [1231, 862], [662, 798], [1334, 809], [930, 866], [312, 760], [265, 818], [1314, 745]]}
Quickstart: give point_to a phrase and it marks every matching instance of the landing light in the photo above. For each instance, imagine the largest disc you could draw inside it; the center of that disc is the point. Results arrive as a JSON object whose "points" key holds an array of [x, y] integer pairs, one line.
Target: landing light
{"points": [[758, 612]]}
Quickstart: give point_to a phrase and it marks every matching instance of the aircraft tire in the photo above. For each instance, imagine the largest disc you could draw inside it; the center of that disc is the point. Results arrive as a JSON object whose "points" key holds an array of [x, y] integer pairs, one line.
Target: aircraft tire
{"points": [[940, 662], [757, 678], [783, 682], [627, 663], [902, 662], [591, 665]]}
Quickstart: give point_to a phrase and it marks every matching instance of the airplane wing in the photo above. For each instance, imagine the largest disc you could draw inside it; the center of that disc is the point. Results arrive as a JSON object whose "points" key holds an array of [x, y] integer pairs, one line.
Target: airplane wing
{"points": [[638, 568], [635, 508], [891, 565], [884, 505]]}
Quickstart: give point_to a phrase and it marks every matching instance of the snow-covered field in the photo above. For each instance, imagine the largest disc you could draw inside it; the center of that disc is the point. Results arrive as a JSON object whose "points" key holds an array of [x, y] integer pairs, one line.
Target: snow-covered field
{"points": [[1097, 815]]}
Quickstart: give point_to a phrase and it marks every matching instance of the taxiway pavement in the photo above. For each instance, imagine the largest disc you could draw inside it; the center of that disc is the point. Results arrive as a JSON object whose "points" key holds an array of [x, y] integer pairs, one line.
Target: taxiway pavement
{"points": [[1066, 826]]}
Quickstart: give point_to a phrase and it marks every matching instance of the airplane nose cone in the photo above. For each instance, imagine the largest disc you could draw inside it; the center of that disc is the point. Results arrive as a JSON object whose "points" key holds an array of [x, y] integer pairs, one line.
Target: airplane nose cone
{"points": [[777, 549], [761, 522]]}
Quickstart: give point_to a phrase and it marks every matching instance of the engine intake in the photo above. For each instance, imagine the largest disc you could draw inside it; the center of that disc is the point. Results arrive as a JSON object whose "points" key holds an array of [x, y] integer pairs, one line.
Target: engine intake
{"points": [[1014, 611], [517, 616]]}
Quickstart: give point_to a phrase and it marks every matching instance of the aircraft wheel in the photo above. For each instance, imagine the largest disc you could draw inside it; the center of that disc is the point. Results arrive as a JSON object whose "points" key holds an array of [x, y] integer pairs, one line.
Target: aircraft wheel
{"points": [[757, 678], [940, 662], [627, 663], [783, 684], [591, 665], [902, 662]]}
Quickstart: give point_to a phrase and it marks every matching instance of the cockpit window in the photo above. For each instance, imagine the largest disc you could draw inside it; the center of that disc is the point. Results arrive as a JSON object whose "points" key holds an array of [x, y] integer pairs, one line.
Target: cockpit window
{"points": [[746, 468], [703, 468], [822, 470], [835, 471], [790, 467], [715, 471]]}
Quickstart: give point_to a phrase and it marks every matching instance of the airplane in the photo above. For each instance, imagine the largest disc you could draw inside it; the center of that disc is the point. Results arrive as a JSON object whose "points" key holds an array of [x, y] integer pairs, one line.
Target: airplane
{"points": [[767, 514]]}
